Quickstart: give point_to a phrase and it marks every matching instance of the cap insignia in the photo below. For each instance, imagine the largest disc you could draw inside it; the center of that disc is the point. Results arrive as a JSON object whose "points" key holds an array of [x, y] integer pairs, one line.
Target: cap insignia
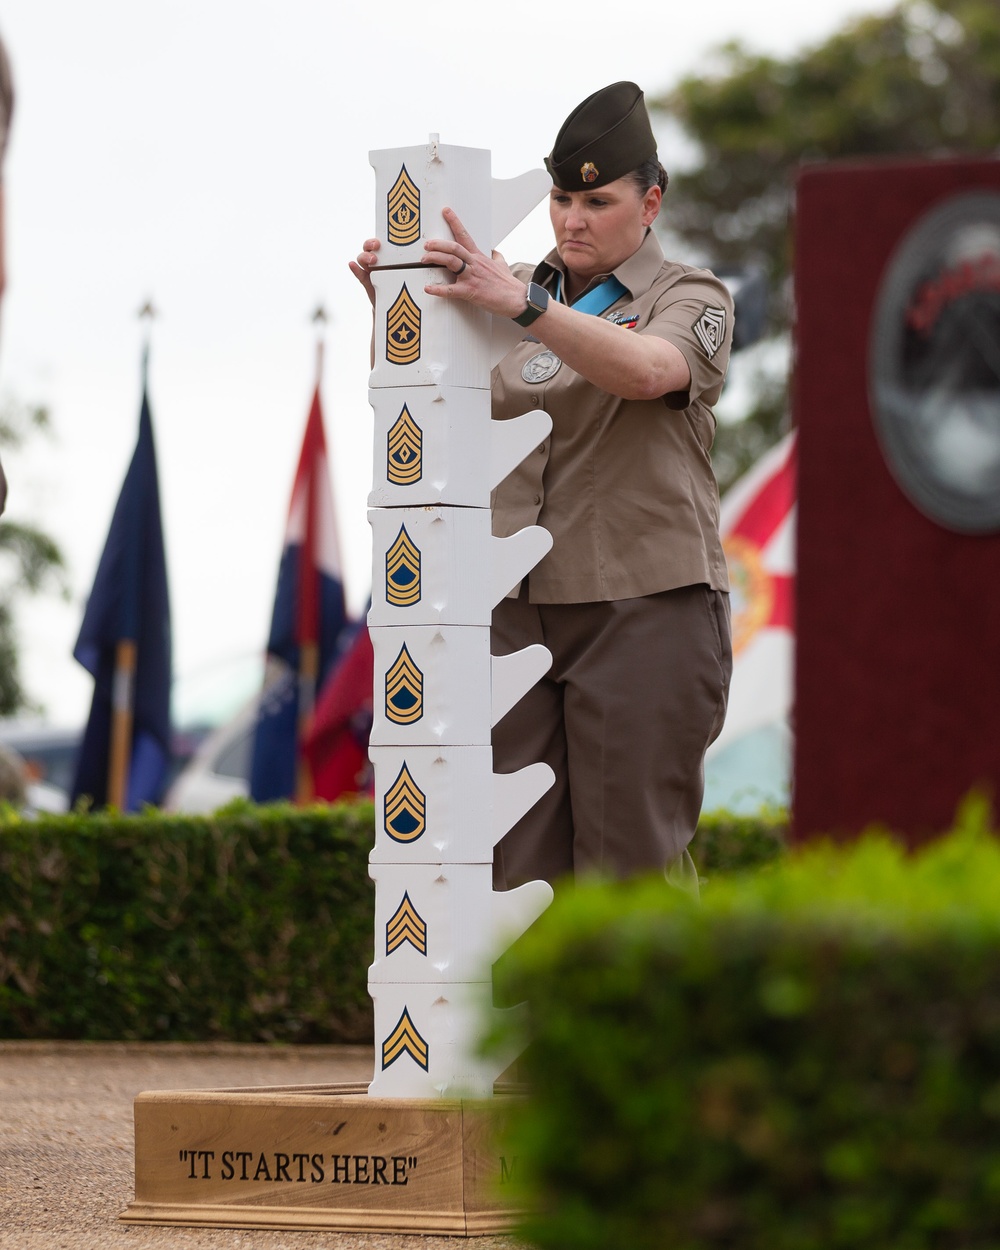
{"points": [[589, 171]]}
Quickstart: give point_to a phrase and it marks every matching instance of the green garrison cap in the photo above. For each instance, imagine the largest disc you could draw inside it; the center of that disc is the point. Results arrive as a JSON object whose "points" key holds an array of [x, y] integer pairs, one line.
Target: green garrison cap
{"points": [[604, 138]]}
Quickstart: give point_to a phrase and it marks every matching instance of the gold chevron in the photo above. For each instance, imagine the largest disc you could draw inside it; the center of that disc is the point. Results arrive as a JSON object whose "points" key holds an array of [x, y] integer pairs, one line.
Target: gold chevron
{"points": [[405, 808], [402, 334], [405, 459], [404, 690], [403, 209], [402, 572], [407, 925], [404, 1039]]}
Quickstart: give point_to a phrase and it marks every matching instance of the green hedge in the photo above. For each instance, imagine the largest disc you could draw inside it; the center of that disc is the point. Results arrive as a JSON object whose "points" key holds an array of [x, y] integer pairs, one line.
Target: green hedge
{"points": [[251, 925], [807, 1060], [255, 924]]}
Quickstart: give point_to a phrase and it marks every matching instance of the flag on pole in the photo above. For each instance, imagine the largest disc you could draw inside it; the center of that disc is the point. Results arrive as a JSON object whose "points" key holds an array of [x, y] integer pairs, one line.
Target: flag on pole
{"points": [[306, 625], [757, 523], [124, 643], [336, 744]]}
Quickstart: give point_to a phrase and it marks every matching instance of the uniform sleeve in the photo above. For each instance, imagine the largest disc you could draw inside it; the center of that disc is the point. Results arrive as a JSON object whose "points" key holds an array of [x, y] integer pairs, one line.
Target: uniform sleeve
{"points": [[695, 313]]}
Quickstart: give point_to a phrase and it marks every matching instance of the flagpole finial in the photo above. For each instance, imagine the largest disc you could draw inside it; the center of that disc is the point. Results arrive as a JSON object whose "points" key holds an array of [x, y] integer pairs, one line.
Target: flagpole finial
{"points": [[146, 314], [319, 320]]}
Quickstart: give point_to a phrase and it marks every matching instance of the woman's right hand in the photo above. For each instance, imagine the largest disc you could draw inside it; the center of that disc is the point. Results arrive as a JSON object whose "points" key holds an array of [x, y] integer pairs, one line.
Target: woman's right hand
{"points": [[363, 266]]}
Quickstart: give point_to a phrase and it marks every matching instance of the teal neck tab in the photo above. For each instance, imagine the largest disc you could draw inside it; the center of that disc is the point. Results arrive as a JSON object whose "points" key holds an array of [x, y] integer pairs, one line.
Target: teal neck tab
{"points": [[597, 300]]}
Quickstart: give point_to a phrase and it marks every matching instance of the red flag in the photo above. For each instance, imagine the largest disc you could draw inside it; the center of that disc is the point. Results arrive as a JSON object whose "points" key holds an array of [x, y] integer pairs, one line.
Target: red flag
{"points": [[336, 744], [757, 523]]}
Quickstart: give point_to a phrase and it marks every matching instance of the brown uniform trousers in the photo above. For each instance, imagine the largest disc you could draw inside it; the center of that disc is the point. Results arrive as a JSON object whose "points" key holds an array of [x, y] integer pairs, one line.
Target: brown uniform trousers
{"points": [[636, 693]]}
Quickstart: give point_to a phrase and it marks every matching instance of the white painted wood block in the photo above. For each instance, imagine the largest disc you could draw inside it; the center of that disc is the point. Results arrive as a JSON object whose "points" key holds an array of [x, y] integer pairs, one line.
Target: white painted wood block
{"points": [[437, 444], [424, 340], [432, 685], [515, 674], [514, 198], [440, 685], [412, 187], [445, 805], [443, 922], [441, 566], [426, 1038]]}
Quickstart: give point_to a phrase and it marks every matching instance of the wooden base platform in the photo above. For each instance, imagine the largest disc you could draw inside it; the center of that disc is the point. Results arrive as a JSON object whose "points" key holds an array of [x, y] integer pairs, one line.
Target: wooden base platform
{"points": [[320, 1157]]}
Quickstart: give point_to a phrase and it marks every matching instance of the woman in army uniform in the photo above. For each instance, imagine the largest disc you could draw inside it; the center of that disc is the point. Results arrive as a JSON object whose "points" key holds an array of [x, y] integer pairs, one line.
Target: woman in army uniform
{"points": [[627, 352]]}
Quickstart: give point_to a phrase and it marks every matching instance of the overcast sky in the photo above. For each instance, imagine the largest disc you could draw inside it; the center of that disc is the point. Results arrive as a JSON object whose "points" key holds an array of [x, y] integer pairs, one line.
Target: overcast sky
{"points": [[213, 157]]}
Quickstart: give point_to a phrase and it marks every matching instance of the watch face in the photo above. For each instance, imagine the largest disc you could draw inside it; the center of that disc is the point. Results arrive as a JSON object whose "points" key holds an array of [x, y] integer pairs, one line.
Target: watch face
{"points": [[934, 363]]}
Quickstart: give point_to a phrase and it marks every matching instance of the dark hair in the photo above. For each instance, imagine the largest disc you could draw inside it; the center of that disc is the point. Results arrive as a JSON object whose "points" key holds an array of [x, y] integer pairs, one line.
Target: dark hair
{"points": [[649, 174]]}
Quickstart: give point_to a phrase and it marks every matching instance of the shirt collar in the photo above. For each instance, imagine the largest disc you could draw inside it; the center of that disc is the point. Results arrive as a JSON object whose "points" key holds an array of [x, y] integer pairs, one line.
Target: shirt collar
{"points": [[637, 272]]}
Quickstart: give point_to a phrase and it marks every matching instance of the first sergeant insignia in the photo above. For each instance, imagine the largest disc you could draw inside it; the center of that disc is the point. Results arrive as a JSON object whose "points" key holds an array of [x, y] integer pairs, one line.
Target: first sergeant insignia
{"points": [[589, 171], [403, 211], [405, 460], [711, 329]]}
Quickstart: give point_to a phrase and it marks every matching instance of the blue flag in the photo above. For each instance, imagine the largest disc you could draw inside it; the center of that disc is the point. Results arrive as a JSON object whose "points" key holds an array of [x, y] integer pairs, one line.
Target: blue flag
{"points": [[306, 625], [129, 603]]}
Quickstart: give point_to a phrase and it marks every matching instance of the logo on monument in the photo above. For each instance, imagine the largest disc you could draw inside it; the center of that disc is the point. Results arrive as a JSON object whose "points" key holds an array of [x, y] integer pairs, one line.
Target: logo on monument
{"points": [[405, 454], [402, 572], [934, 367], [402, 335], [405, 1040], [406, 926], [404, 690], [405, 810], [403, 211]]}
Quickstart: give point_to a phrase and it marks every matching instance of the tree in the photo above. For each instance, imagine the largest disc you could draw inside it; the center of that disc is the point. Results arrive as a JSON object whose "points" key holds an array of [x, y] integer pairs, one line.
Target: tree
{"points": [[30, 561], [922, 79]]}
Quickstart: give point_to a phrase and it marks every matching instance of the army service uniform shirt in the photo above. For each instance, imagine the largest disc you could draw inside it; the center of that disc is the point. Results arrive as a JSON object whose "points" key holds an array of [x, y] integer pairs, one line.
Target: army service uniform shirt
{"points": [[625, 487]]}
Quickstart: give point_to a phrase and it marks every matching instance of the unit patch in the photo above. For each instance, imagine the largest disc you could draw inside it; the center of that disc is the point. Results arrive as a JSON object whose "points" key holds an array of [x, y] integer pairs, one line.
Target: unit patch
{"points": [[402, 330], [405, 1040], [405, 809], [406, 926], [405, 457], [404, 690], [711, 330], [402, 572], [403, 211]]}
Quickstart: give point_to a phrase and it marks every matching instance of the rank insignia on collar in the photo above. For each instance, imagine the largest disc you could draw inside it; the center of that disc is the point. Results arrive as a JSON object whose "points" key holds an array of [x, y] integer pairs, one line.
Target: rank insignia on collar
{"points": [[403, 211], [711, 329], [589, 171], [627, 319]]}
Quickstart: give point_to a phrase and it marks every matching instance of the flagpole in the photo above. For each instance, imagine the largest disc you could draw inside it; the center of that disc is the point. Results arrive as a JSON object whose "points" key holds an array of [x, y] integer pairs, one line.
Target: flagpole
{"points": [[126, 658], [308, 676]]}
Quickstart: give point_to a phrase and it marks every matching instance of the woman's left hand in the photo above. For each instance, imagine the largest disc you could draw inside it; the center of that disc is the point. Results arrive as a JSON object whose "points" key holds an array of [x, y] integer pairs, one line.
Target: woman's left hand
{"points": [[485, 281]]}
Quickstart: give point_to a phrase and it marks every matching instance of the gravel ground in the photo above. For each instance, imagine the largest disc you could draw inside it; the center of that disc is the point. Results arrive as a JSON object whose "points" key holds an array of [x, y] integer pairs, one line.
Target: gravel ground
{"points": [[66, 1148]]}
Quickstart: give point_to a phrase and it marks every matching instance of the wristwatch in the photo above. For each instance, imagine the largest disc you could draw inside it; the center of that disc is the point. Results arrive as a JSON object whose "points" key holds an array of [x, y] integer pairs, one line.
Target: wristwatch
{"points": [[538, 301]]}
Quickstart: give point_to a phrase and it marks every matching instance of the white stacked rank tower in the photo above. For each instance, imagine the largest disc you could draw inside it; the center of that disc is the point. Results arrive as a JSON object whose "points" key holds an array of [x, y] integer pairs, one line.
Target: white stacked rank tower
{"points": [[437, 573]]}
